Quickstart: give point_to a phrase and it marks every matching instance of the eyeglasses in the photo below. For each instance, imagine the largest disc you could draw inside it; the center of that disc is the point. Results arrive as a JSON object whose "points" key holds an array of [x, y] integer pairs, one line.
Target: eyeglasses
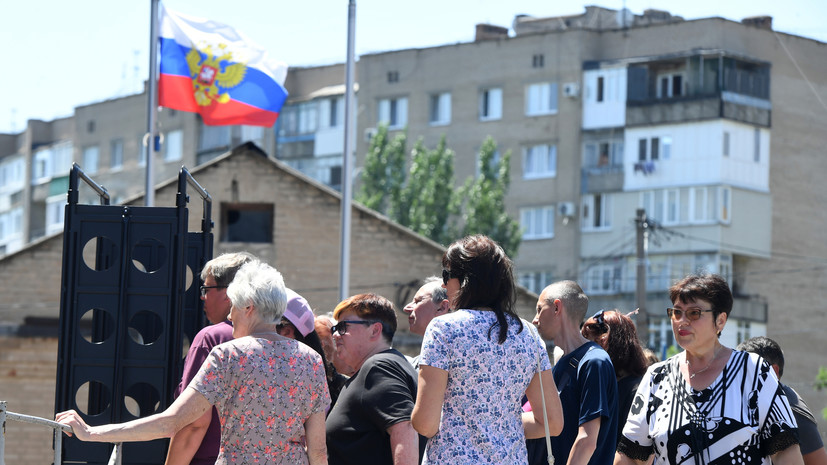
{"points": [[204, 289], [341, 327], [692, 314], [446, 276], [600, 322]]}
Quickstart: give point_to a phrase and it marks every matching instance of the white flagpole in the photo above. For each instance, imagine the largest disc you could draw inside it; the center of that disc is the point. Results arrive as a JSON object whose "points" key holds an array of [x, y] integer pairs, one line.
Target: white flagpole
{"points": [[152, 105], [347, 182]]}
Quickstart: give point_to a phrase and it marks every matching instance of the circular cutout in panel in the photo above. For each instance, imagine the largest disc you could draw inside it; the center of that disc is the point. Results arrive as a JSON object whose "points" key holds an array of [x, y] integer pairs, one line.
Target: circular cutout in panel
{"points": [[92, 398], [96, 326], [149, 255], [142, 399], [145, 327], [189, 279], [100, 253]]}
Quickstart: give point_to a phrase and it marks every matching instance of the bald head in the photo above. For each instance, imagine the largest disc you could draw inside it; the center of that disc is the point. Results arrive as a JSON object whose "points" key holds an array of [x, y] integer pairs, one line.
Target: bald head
{"points": [[572, 296]]}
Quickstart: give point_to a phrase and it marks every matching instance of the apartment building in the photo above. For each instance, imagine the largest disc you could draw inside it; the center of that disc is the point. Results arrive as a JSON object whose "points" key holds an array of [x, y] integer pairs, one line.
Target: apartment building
{"points": [[106, 139]]}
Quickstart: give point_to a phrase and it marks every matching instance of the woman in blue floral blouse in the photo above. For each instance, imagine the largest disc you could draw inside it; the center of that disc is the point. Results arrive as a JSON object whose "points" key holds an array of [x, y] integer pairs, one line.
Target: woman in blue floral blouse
{"points": [[478, 362]]}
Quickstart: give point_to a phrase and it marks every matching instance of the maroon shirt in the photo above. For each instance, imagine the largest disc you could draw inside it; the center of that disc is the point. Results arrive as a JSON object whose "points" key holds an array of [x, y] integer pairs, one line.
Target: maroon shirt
{"points": [[202, 344]]}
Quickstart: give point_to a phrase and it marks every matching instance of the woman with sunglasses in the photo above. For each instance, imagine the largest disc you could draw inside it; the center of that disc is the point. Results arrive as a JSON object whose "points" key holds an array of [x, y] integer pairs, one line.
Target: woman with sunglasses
{"points": [[616, 333], [708, 404], [478, 362]]}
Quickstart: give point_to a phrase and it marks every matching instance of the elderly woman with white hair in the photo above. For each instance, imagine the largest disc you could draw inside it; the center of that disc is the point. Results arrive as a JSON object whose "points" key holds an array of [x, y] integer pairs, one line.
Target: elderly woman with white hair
{"points": [[270, 391]]}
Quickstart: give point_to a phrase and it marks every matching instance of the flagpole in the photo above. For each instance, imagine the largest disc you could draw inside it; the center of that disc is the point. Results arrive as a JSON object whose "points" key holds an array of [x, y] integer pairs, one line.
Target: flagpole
{"points": [[152, 105], [347, 181]]}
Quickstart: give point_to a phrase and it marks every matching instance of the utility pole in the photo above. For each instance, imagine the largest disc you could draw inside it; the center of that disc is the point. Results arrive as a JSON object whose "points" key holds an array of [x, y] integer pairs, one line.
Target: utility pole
{"points": [[642, 228]]}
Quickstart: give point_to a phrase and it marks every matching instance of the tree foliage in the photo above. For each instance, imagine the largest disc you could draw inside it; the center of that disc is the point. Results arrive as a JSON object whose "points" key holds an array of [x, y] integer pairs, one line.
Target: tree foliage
{"points": [[483, 200], [424, 198], [821, 383], [428, 198], [384, 172]]}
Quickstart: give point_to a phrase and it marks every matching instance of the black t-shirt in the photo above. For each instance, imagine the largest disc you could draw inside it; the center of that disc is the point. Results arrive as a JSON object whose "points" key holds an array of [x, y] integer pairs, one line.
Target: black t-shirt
{"points": [[381, 394]]}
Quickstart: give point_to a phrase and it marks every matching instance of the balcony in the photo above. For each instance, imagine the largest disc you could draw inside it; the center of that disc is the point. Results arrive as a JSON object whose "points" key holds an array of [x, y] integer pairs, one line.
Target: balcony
{"points": [[701, 86], [605, 178]]}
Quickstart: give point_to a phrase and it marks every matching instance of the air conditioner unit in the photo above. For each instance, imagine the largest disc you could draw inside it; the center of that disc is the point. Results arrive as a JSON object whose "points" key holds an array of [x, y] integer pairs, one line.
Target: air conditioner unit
{"points": [[566, 209], [369, 134], [571, 89]]}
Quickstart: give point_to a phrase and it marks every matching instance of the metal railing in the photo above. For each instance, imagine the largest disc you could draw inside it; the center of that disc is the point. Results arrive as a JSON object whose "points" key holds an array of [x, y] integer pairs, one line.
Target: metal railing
{"points": [[58, 428]]}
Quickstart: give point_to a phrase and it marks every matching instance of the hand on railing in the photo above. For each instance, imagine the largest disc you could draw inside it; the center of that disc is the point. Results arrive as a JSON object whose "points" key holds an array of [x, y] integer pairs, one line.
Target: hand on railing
{"points": [[79, 427]]}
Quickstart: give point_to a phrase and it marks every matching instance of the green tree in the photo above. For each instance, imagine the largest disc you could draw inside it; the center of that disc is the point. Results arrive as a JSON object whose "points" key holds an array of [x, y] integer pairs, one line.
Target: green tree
{"points": [[483, 200], [821, 383], [384, 173], [428, 198]]}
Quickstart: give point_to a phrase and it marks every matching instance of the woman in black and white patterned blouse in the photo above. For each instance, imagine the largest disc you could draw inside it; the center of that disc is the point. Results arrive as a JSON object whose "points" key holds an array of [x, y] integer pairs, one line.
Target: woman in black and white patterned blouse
{"points": [[708, 404]]}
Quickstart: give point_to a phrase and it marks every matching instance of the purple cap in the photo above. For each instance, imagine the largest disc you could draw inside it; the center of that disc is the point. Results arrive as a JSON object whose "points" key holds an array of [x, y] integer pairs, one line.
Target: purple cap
{"points": [[299, 313]]}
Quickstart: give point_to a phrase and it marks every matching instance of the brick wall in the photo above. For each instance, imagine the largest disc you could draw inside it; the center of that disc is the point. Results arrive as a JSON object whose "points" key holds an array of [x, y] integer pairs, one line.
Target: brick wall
{"points": [[27, 384]]}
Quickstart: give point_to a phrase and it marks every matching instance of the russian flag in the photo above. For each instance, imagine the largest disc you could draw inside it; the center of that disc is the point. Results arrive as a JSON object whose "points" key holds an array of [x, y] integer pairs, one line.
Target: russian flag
{"points": [[210, 68]]}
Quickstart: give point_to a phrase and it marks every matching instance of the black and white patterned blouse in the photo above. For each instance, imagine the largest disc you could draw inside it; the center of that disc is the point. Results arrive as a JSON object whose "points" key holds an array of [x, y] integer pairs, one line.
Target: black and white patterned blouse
{"points": [[743, 417]]}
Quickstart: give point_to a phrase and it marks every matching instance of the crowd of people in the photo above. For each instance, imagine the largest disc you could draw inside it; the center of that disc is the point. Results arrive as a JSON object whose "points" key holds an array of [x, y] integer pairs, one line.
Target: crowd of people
{"points": [[270, 382]]}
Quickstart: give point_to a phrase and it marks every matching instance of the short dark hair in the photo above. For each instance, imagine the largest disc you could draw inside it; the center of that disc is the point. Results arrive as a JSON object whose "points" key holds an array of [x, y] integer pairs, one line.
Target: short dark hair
{"points": [[371, 307], [486, 277], [709, 287], [768, 349]]}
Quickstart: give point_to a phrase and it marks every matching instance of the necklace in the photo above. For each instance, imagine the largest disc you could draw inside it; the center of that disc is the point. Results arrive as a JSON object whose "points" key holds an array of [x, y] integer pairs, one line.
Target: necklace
{"points": [[714, 356]]}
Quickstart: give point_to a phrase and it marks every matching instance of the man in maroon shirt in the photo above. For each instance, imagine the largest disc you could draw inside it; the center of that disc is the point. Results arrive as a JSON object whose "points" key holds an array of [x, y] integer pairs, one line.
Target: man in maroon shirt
{"points": [[197, 443]]}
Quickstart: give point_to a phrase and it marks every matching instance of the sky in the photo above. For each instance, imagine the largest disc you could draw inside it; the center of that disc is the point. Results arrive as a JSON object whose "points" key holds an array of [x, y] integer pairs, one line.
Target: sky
{"points": [[62, 54]]}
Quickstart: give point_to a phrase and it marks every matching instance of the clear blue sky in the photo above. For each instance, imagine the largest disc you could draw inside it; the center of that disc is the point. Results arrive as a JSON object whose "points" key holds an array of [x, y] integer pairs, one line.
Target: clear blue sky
{"points": [[61, 54]]}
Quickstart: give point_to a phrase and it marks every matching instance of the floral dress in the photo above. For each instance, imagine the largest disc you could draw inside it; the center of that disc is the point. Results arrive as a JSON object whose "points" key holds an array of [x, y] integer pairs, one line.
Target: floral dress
{"points": [[481, 415], [264, 391], [743, 417]]}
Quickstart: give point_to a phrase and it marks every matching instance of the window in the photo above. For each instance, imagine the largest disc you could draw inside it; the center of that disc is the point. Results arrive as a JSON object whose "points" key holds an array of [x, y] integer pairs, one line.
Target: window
{"points": [[141, 152], [253, 134], [540, 161], [603, 153], [491, 104], [393, 76], [726, 143], [535, 281], [55, 209], [725, 203], [541, 99], [701, 205], [116, 154], [174, 145], [666, 147], [673, 211], [394, 112], [537, 61], [294, 120], [247, 222], [90, 159], [335, 106], [603, 279], [654, 149], [42, 166], [670, 85], [596, 212], [600, 85], [440, 113], [743, 331], [537, 223]]}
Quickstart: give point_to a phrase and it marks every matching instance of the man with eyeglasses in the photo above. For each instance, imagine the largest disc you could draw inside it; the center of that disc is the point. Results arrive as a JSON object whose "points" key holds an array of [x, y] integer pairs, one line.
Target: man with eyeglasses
{"points": [[429, 302], [197, 443], [585, 379], [371, 421]]}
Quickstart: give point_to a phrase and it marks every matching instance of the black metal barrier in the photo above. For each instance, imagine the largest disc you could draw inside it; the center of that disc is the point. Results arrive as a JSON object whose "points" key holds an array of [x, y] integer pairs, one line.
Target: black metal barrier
{"points": [[129, 299]]}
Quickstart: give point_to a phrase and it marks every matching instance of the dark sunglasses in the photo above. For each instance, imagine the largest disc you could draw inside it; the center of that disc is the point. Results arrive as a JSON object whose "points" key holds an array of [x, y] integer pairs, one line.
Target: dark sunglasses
{"points": [[204, 289], [600, 322], [447, 276], [692, 314], [341, 327]]}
